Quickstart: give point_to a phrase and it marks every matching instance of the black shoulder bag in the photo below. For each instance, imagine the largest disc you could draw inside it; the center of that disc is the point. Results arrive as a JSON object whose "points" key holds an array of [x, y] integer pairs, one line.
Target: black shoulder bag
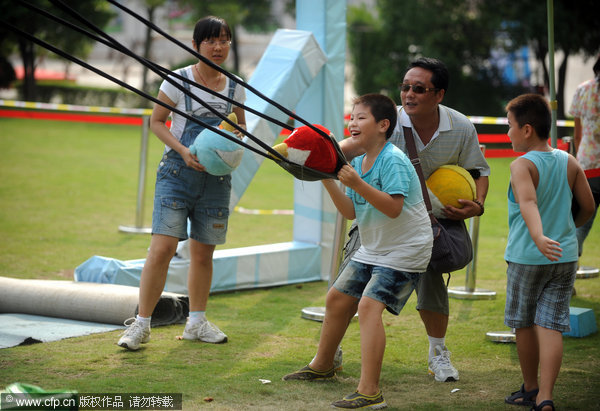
{"points": [[452, 247]]}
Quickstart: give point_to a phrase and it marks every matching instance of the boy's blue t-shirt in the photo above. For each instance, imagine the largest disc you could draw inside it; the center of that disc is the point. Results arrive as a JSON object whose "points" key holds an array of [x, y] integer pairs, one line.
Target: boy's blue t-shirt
{"points": [[403, 243]]}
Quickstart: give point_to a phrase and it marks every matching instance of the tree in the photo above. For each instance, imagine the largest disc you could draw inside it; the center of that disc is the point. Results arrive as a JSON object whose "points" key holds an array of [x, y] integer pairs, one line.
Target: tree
{"points": [[254, 15], [62, 37], [364, 41], [463, 34], [151, 7], [576, 30], [460, 33]]}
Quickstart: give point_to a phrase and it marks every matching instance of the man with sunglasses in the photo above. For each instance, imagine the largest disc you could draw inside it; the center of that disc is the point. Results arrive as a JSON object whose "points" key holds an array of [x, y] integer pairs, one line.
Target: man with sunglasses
{"points": [[442, 136]]}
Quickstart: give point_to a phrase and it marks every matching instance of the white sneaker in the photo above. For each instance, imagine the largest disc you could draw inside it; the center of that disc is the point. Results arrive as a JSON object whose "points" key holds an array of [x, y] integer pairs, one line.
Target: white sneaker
{"points": [[134, 335], [204, 331], [441, 367]]}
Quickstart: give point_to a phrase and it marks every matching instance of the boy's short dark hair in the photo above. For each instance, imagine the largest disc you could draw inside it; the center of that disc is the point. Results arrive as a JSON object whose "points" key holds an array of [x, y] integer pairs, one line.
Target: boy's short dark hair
{"points": [[382, 108], [439, 77], [532, 109]]}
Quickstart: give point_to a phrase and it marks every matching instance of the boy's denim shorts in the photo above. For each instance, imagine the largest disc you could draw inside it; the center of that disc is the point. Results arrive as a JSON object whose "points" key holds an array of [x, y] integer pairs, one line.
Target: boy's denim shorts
{"points": [[539, 294], [181, 193], [386, 285]]}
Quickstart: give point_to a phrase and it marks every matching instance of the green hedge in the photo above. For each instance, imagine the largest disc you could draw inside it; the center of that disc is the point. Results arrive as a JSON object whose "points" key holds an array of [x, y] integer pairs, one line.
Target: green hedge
{"points": [[69, 93]]}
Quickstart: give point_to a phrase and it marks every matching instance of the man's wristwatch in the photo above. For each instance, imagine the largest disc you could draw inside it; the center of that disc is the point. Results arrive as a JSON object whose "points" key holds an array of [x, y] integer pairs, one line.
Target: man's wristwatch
{"points": [[480, 206]]}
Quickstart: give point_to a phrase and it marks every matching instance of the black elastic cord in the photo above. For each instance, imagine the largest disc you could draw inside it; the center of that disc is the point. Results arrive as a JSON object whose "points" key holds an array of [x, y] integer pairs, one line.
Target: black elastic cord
{"points": [[299, 171], [216, 67], [128, 87], [156, 68], [113, 43]]}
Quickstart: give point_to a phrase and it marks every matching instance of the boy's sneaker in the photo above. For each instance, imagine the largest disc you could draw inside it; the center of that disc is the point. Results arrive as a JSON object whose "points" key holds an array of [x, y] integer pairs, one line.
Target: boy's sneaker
{"points": [[308, 374], [441, 367], [358, 400], [134, 335], [204, 331]]}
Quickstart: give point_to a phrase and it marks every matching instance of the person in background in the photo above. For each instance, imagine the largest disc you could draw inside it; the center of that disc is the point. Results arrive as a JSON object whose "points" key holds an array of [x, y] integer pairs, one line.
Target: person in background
{"points": [[585, 109], [541, 249], [442, 136], [184, 191]]}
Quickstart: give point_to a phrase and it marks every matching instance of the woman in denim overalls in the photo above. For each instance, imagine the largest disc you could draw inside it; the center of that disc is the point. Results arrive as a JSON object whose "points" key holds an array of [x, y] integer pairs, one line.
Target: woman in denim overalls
{"points": [[185, 191]]}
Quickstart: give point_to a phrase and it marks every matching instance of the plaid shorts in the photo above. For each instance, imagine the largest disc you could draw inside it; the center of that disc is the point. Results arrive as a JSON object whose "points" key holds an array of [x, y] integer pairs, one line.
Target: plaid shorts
{"points": [[539, 294]]}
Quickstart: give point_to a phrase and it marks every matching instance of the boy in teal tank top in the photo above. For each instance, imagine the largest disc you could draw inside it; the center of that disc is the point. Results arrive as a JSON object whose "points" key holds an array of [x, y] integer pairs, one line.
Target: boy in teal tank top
{"points": [[541, 250]]}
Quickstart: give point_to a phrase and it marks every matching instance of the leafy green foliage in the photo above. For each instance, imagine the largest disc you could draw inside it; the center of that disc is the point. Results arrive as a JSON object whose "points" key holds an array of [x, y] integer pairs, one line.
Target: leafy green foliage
{"points": [[253, 15], [576, 30], [48, 30], [364, 41], [463, 34], [458, 33]]}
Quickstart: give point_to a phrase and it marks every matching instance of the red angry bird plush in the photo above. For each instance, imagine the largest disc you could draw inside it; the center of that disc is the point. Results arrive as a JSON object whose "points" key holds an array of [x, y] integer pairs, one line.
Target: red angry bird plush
{"points": [[308, 148]]}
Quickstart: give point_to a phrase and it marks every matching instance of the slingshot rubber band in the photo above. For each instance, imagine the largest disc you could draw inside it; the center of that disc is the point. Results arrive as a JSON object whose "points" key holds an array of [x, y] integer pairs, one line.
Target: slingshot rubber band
{"points": [[299, 171]]}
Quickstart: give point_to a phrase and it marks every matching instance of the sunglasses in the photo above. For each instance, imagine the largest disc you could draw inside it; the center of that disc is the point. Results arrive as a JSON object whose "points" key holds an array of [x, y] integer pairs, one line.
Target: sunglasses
{"points": [[416, 88]]}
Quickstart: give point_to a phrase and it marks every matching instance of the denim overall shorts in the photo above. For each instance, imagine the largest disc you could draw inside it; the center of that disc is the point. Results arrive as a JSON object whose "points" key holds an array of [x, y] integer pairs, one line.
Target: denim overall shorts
{"points": [[182, 192]]}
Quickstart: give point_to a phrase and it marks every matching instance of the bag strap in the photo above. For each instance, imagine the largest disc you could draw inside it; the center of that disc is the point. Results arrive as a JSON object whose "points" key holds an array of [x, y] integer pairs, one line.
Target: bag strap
{"points": [[409, 140]]}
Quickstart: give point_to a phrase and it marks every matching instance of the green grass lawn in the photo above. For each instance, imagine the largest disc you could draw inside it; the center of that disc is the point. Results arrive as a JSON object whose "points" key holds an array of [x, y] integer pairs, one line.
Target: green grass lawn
{"points": [[66, 187]]}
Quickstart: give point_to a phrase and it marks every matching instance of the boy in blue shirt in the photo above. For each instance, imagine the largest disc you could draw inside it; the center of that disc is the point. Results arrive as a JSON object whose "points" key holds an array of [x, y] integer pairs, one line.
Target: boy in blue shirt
{"points": [[383, 193], [542, 247]]}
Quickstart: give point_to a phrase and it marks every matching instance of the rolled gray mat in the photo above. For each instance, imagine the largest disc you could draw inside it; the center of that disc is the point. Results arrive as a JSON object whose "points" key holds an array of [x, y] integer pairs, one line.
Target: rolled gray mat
{"points": [[94, 302]]}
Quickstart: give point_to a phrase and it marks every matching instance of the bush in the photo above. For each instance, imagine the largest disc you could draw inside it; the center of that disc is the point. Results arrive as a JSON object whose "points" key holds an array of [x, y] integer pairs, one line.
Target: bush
{"points": [[65, 92]]}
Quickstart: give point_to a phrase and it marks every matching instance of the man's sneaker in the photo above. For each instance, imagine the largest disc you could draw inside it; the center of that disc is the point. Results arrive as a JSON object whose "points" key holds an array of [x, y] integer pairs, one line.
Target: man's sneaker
{"points": [[308, 374], [441, 367], [358, 400], [134, 335], [204, 331]]}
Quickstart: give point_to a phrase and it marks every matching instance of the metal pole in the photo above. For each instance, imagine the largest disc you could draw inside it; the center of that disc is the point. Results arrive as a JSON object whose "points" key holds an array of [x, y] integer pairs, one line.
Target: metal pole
{"points": [[141, 194], [469, 291], [338, 247], [318, 313], [553, 103], [472, 267]]}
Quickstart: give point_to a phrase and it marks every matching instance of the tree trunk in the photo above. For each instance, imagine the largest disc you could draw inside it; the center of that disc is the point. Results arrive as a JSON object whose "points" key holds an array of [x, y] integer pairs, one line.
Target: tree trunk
{"points": [[541, 50], [26, 48], [234, 47], [147, 48], [560, 91]]}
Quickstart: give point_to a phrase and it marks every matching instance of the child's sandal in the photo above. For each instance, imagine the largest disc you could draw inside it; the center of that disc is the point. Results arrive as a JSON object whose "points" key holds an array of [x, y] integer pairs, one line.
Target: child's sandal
{"points": [[522, 397], [541, 405]]}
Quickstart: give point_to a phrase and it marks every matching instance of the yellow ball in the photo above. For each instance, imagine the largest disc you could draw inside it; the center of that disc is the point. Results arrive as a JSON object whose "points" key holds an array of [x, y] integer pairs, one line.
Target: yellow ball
{"points": [[449, 183]]}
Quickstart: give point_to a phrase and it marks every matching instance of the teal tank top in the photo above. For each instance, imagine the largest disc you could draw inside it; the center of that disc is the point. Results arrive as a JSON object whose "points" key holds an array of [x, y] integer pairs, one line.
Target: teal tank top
{"points": [[554, 198]]}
